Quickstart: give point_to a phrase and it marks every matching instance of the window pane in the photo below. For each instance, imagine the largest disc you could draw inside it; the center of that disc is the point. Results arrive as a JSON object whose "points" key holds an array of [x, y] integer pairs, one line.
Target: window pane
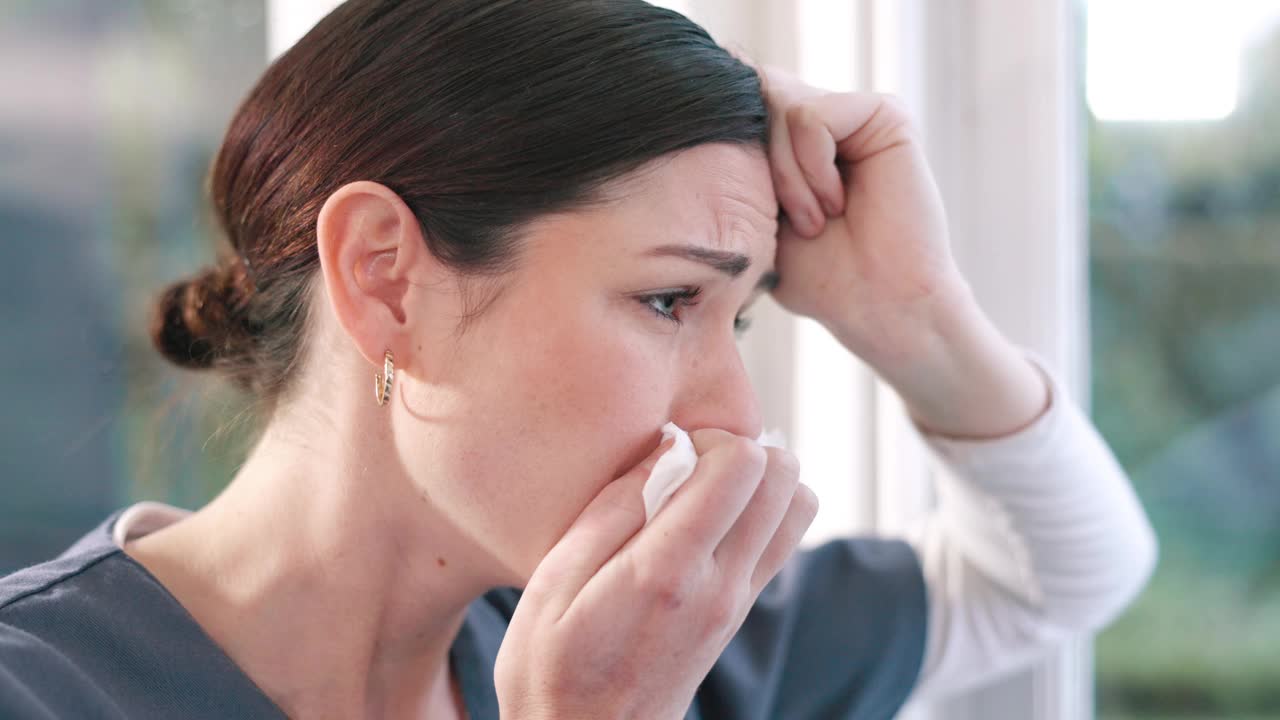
{"points": [[1185, 267], [111, 113]]}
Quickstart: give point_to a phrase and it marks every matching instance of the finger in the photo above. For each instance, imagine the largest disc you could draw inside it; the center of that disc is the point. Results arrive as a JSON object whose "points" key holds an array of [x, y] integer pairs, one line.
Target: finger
{"points": [[815, 153], [605, 525], [797, 200], [739, 552], [800, 514], [862, 123], [701, 512]]}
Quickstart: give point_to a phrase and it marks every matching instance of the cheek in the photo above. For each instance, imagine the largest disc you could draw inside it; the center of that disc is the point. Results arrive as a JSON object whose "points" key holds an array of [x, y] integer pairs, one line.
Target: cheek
{"points": [[605, 393], [574, 404], [600, 383]]}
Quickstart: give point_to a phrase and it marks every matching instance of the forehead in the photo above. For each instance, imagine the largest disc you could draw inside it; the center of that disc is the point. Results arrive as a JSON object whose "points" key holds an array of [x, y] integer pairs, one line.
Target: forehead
{"points": [[714, 195], [720, 189]]}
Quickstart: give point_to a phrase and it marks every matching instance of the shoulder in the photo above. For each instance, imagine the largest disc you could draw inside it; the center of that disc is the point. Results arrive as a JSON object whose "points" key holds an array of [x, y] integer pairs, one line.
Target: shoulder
{"points": [[33, 597], [38, 680], [40, 596], [46, 619], [92, 634]]}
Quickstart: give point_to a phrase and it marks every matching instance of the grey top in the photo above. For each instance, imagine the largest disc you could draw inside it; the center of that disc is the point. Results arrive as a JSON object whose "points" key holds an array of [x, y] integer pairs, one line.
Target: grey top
{"points": [[839, 633]]}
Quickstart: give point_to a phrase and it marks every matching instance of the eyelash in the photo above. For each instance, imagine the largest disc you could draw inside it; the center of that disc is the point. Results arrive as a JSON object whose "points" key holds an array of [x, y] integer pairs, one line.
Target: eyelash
{"points": [[687, 297]]}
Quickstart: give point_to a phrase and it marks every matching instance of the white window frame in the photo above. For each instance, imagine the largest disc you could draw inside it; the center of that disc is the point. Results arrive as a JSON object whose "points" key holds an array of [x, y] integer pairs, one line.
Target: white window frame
{"points": [[995, 85], [1001, 105]]}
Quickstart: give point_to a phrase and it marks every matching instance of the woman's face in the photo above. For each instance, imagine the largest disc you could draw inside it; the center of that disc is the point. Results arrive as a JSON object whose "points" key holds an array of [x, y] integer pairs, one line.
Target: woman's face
{"points": [[563, 382]]}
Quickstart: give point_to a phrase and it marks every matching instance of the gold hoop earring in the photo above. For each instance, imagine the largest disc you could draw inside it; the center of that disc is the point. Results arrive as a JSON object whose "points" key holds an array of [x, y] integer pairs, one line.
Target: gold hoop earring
{"points": [[382, 381]]}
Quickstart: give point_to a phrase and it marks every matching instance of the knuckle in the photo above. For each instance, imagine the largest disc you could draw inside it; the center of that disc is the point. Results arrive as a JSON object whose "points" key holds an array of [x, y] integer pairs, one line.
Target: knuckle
{"points": [[896, 110], [800, 114], [784, 463], [746, 454], [671, 587], [778, 486], [893, 102], [706, 440]]}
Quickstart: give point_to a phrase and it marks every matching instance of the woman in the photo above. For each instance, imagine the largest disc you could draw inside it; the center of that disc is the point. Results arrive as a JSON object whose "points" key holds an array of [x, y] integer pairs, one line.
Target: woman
{"points": [[536, 224]]}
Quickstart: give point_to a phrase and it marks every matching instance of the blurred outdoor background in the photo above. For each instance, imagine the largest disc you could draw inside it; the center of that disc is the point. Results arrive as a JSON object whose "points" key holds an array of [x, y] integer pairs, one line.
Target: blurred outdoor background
{"points": [[110, 111], [1184, 233]]}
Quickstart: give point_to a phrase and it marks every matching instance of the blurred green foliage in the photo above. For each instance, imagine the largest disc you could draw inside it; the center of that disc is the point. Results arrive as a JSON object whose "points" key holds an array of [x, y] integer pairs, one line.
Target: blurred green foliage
{"points": [[1184, 222]]}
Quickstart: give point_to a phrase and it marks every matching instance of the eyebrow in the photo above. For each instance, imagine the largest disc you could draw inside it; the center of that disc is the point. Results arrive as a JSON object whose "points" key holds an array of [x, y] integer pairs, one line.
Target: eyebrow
{"points": [[730, 263]]}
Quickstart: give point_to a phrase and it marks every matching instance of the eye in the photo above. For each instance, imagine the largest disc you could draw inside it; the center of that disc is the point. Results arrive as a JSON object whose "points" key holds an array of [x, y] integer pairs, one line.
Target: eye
{"points": [[665, 304]]}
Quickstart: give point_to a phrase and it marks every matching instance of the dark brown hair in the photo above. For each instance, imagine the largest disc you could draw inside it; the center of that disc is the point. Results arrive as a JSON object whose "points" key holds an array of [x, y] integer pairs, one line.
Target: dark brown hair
{"points": [[480, 114]]}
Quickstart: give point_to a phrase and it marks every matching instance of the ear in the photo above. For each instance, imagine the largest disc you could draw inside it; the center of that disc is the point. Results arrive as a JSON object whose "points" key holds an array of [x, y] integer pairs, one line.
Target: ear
{"points": [[371, 256]]}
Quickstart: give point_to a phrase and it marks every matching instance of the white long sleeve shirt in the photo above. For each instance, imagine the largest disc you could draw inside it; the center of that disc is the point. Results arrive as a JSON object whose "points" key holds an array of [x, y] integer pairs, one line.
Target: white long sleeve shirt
{"points": [[1036, 537]]}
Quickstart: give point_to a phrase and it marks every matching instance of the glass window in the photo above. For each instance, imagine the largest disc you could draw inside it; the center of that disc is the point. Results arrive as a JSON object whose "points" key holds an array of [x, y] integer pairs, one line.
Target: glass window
{"points": [[1184, 222]]}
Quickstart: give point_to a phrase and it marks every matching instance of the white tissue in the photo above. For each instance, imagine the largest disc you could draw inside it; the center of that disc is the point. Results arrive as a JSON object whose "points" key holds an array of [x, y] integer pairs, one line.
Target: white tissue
{"points": [[676, 465]]}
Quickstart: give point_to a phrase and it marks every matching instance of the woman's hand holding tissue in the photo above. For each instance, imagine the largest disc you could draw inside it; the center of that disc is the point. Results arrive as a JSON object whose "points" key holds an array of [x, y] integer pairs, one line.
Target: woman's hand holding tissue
{"points": [[623, 618], [865, 251]]}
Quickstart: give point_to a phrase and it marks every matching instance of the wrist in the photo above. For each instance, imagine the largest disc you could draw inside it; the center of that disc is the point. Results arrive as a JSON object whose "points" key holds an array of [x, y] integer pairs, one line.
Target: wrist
{"points": [[960, 377]]}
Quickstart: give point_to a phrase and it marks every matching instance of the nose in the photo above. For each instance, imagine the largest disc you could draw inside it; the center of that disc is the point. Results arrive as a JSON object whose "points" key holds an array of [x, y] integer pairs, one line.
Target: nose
{"points": [[716, 392]]}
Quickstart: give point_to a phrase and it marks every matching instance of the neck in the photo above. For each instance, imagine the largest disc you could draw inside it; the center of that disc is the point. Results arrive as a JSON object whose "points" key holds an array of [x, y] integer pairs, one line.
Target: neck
{"points": [[336, 597]]}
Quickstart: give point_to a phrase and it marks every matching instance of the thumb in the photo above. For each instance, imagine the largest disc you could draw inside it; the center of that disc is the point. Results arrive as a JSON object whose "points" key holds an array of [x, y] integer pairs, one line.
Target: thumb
{"points": [[607, 523]]}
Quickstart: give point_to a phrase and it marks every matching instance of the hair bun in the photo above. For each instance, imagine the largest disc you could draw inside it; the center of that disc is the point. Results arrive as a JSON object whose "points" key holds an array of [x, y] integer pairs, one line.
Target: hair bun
{"points": [[201, 320]]}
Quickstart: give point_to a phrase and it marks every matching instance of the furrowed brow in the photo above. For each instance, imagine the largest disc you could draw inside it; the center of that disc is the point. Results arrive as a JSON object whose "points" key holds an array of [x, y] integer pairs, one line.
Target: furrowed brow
{"points": [[730, 263]]}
